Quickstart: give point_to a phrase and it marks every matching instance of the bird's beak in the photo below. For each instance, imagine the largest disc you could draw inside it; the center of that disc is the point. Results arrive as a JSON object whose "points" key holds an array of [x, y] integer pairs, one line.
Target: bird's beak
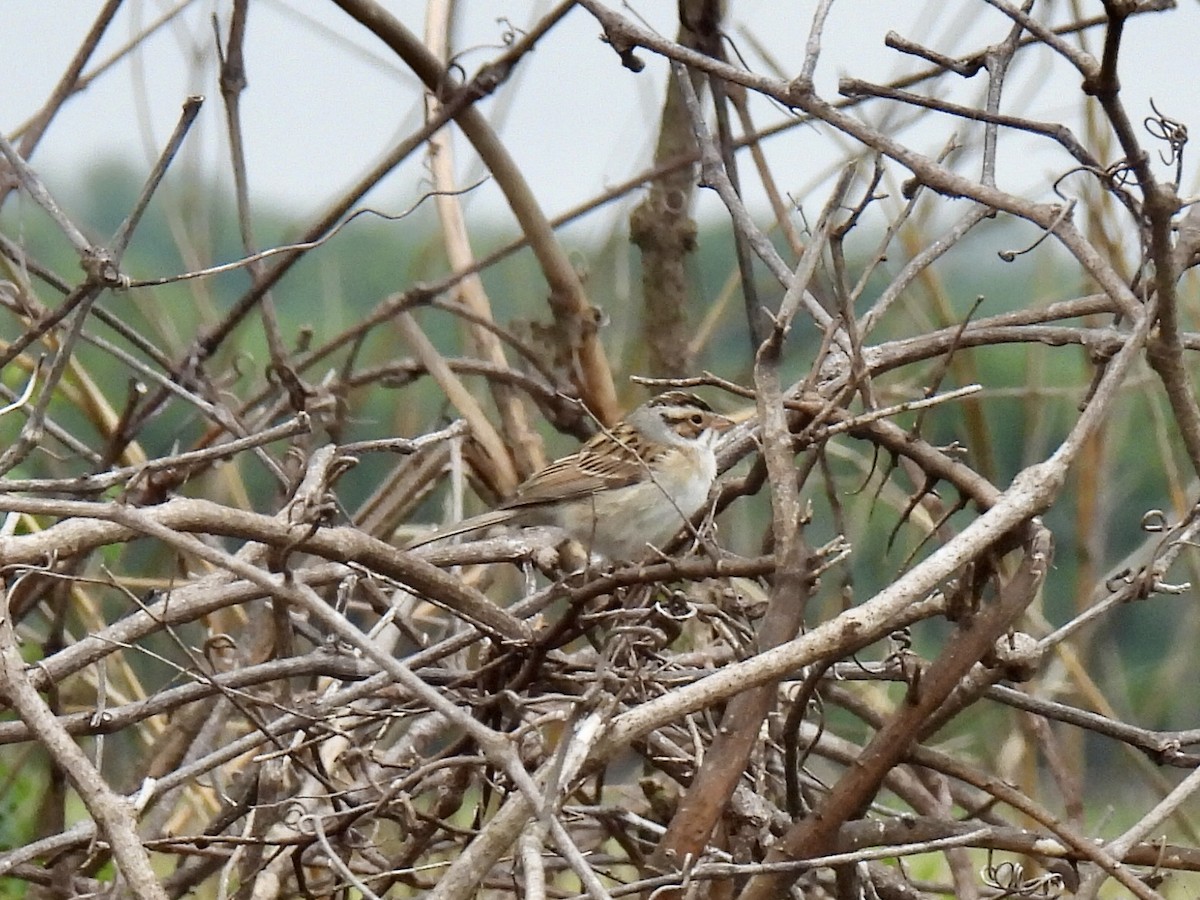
{"points": [[739, 416], [721, 424]]}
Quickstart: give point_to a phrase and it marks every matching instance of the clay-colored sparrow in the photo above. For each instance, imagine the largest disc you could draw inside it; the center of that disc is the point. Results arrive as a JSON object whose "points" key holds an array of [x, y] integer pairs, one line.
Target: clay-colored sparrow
{"points": [[632, 485]]}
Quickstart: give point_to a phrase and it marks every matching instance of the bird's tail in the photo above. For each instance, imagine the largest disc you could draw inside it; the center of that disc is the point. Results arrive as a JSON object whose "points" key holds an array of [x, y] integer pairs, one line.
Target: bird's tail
{"points": [[466, 526]]}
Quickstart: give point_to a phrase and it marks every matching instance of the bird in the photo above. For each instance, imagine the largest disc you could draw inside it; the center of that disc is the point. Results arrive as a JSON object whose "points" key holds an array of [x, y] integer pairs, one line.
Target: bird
{"points": [[630, 486]]}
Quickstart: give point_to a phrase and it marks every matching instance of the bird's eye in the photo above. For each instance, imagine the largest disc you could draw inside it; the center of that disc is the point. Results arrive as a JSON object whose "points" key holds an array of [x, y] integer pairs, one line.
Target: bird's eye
{"points": [[697, 419]]}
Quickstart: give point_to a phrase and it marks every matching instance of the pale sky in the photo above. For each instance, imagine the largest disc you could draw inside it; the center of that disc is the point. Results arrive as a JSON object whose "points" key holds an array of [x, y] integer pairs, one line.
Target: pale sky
{"points": [[325, 99]]}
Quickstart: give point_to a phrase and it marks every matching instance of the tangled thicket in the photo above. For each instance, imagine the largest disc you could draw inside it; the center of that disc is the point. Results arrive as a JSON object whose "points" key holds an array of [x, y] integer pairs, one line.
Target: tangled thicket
{"points": [[221, 677]]}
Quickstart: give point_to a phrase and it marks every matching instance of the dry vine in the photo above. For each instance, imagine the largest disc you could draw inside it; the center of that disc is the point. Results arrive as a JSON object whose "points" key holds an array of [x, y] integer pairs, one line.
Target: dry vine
{"points": [[227, 680]]}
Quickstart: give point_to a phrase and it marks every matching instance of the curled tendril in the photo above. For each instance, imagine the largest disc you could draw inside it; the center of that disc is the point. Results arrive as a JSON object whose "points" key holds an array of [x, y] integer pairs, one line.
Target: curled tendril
{"points": [[220, 650], [298, 818], [675, 607], [901, 640], [100, 717], [1172, 131], [1154, 521], [1009, 878], [1063, 214], [27, 393], [1118, 580], [1067, 174], [1119, 174], [511, 32]]}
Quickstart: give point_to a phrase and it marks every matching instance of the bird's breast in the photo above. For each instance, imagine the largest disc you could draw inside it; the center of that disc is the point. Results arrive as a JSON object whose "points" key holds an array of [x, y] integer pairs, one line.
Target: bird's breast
{"points": [[686, 476]]}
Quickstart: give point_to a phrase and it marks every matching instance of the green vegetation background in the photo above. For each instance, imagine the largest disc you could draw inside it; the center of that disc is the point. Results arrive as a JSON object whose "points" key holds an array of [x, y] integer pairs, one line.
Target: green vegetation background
{"points": [[337, 284]]}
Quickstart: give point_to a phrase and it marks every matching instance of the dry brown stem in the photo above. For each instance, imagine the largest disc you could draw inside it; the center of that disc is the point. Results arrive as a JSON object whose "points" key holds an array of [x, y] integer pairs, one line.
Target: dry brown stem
{"points": [[222, 677]]}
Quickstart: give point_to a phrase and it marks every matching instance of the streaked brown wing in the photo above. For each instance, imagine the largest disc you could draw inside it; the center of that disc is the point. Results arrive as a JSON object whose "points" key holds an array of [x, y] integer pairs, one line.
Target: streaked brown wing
{"points": [[598, 466]]}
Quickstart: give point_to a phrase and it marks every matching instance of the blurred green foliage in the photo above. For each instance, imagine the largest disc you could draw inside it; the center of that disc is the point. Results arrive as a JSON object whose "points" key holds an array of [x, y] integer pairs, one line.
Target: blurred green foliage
{"points": [[1029, 400]]}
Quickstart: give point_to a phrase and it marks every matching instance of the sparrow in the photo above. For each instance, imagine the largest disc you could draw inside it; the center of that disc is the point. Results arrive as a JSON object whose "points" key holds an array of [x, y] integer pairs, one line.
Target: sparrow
{"points": [[630, 486]]}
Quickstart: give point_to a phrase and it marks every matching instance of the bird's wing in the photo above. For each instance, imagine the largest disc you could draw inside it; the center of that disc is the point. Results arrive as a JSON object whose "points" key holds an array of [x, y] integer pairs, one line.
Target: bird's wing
{"points": [[581, 474]]}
